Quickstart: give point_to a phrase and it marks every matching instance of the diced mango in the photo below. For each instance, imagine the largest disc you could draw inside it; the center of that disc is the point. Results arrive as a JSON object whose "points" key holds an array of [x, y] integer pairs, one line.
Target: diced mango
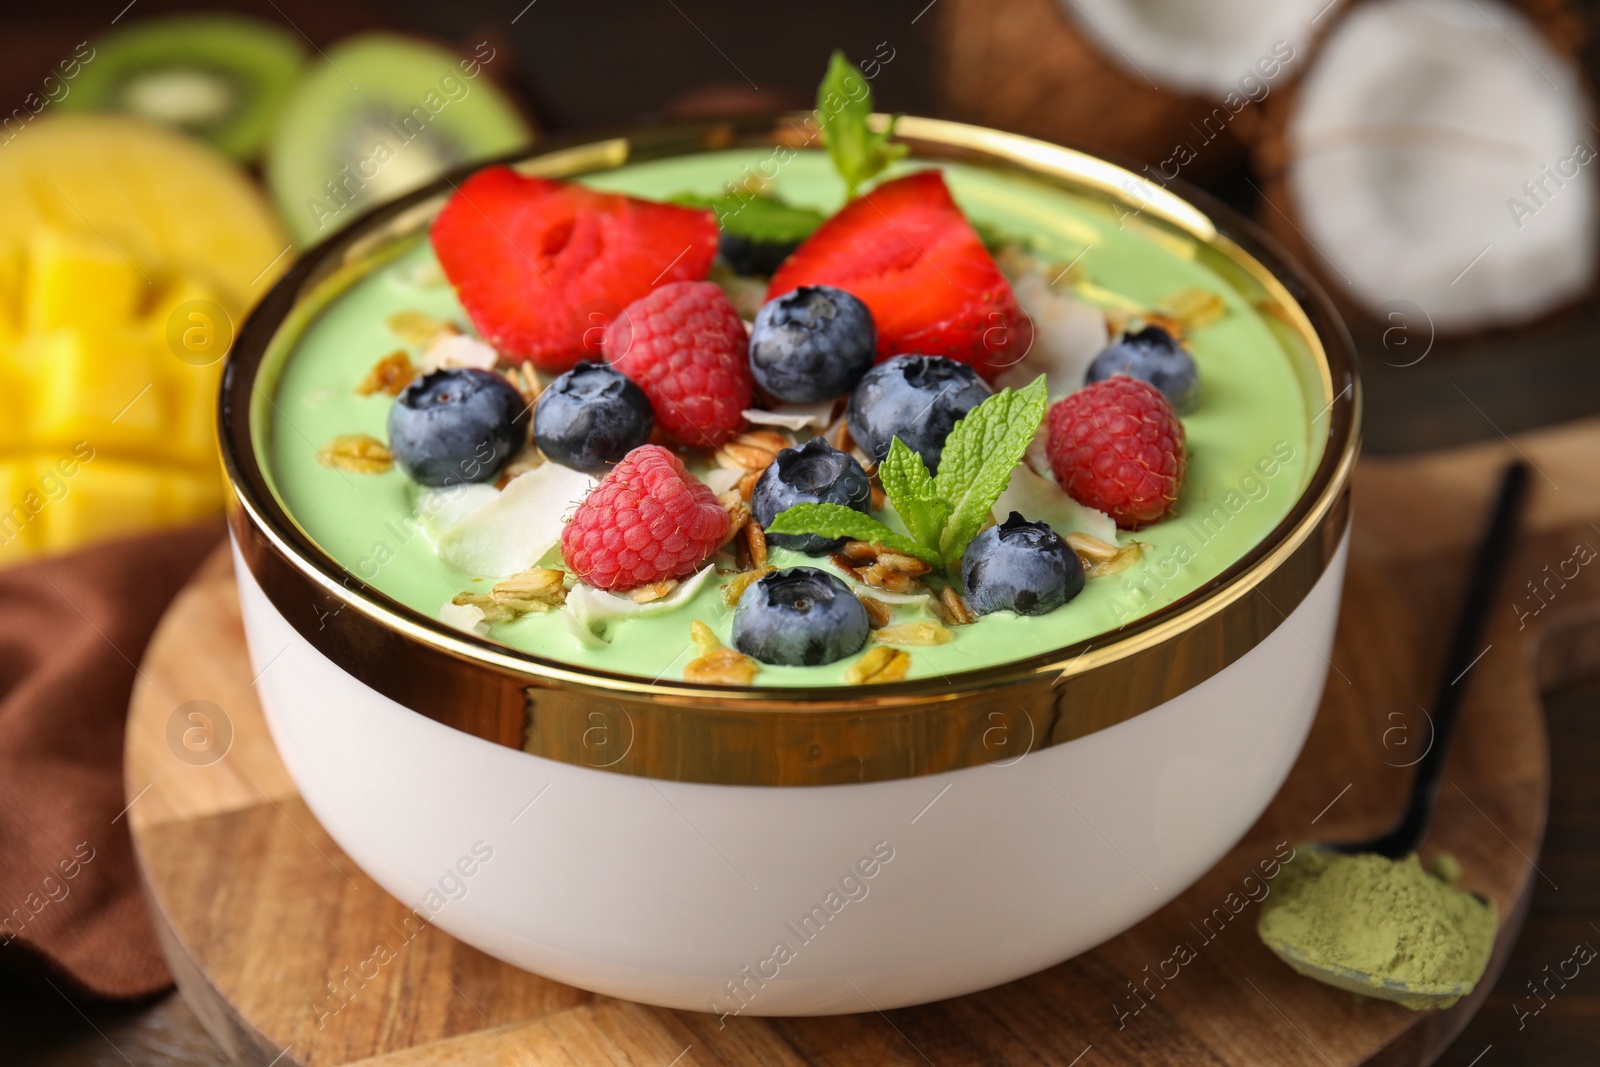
{"points": [[16, 387], [79, 281], [105, 498], [95, 389], [189, 332], [55, 501], [170, 203], [18, 532], [188, 496], [189, 324], [11, 275], [128, 256], [190, 404]]}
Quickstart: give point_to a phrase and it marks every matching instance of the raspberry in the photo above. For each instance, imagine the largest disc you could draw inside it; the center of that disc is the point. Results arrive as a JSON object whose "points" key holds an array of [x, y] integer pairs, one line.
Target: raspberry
{"points": [[1117, 446], [686, 347], [648, 519]]}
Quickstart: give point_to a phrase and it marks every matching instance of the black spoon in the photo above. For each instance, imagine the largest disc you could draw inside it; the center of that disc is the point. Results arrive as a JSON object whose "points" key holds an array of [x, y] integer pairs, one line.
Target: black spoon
{"points": [[1465, 648], [1407, 834]]}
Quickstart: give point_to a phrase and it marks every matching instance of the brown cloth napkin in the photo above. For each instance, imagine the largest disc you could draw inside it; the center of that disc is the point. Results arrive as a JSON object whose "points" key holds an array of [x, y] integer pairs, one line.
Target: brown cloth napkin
{"points": [[71, 630]]}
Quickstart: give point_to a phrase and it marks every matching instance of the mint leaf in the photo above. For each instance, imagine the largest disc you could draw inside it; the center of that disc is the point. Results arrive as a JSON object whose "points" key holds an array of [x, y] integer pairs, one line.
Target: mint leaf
{"points": [[910, 489], [944, 512], [844, 102], [760, 218], [836, 520], [979, 456]]}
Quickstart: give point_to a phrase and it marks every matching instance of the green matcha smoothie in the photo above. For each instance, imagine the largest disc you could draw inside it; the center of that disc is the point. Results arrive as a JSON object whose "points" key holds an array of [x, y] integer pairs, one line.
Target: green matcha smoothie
{"points": [[1251, 444]]}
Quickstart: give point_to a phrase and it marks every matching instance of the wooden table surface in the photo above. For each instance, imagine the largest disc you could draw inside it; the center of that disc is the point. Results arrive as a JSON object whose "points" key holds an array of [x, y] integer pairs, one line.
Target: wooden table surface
{"points": [[608, 61]]}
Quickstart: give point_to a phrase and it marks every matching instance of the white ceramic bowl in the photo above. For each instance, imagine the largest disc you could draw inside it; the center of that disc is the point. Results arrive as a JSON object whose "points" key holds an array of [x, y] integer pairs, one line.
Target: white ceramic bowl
{"points": [[805, 852]]}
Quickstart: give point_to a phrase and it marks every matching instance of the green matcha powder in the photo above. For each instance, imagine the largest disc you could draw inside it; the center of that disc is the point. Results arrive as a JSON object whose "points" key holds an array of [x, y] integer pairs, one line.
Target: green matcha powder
{"points": [[1385, 927]]}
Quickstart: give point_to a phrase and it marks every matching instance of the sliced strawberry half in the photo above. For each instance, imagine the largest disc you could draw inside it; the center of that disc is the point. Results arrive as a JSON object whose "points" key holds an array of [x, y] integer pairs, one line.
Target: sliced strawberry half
{"points": [[910, 255], [544, 266]]}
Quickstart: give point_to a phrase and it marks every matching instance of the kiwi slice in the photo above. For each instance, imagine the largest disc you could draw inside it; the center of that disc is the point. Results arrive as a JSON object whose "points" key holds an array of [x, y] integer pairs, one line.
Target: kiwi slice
{"points": [[222, 77], [384, 115]]}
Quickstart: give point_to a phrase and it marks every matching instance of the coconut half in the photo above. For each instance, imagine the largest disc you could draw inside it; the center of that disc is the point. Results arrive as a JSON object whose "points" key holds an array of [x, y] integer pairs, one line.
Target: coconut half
{"points": [[1169, 82], [1440, 154], [1209, 48]]}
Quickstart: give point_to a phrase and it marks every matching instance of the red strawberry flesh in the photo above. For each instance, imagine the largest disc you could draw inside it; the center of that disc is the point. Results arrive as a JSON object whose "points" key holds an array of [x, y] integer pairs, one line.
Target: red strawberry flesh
{"points": [[906, 250], [543, 266]]}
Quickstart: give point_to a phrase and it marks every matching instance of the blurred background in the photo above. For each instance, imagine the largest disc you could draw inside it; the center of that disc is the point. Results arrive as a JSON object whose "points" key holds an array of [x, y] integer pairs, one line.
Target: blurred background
{"points": [[1433, 161]]}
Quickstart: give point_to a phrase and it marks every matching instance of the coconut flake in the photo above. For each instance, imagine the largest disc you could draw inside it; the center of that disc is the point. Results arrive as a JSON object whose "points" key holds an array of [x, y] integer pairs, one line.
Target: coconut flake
{"points": [[457, 350], [1440, 154], [1067, 335], [439, 510], [795, 417], [720, 479], [595, 609], [585, 637], [1041, 500], [468, 618], [1037, 456], [513, 531]]}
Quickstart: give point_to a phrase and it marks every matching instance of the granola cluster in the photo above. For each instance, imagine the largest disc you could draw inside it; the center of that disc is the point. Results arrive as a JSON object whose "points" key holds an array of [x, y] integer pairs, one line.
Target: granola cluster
{"points": [[530, 592]]}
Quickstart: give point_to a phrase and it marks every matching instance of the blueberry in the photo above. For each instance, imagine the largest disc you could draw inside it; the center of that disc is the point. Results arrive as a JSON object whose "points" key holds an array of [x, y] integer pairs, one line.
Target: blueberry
{"points": [[812, 343], [916, 398], [1020, 566], [1152, 355], [814, 473], [799, 617], [454, 426], [590, 417]]}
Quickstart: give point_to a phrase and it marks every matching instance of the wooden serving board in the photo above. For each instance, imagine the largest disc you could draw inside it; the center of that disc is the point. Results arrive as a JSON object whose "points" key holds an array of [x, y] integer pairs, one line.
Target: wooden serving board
{"points": [[260, 910]]}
